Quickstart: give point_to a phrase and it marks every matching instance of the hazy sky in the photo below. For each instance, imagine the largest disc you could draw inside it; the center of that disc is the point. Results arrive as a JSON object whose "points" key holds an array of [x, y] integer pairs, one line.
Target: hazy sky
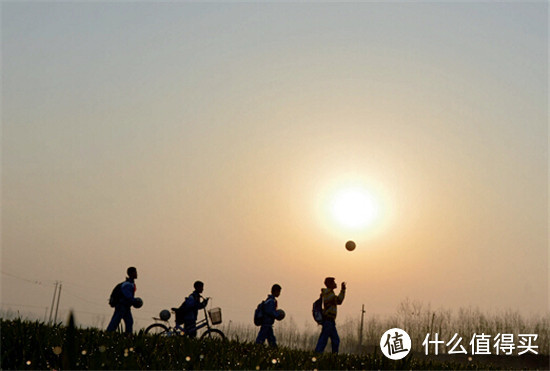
{"points": [[207, 140]]}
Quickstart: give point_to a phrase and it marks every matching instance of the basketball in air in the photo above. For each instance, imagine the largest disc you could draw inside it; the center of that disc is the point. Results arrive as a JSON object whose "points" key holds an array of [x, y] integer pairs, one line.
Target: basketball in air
{"points": [[350, 245]]}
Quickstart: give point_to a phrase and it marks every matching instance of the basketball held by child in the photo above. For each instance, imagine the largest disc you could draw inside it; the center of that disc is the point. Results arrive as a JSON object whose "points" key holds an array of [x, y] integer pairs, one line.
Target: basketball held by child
{"points": [[138, 303]]}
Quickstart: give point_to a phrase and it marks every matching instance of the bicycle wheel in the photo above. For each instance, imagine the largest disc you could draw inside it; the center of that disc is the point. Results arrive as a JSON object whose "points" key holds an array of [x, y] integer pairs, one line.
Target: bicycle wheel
{"points": [[157, 329], [213, 334]]}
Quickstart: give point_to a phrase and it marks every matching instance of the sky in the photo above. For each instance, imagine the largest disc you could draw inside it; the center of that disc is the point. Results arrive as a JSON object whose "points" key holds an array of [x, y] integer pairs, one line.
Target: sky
{"points": [[208, 141]]}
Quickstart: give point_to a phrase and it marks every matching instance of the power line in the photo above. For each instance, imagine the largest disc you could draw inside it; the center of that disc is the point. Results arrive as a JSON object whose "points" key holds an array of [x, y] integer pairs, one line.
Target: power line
{"points": [[81, 286], [36, 282], [78, 312], [22, 305], [57, 292], [65, 283], [83, 299]]}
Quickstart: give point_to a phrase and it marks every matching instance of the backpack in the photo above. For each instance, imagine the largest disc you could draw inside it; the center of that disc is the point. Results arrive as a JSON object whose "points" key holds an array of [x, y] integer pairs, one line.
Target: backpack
{"points": [[182, 310], [317, 310], [259, 314], [116, 295]]}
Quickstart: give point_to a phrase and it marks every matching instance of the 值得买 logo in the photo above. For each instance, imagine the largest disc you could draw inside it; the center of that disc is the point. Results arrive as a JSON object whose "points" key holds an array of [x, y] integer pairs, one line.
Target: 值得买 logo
{"points": [[395, 343]]}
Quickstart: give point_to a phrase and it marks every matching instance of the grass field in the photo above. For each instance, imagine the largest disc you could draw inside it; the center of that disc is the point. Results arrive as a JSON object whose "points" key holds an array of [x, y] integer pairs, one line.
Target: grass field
{"points": [[417, 319], [35, 345]]}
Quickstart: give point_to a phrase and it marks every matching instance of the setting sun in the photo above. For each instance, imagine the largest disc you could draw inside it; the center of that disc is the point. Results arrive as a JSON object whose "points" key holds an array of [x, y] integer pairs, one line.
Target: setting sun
{"points": [[354, 208]]}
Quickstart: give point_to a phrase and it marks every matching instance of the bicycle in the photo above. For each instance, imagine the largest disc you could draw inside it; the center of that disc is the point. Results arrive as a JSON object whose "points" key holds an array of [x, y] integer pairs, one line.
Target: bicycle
{"points": [[211, 317]]}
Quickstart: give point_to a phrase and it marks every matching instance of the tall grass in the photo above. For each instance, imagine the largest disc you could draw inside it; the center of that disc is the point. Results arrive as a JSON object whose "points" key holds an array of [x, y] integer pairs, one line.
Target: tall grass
{"points": [[33, 345], [414, 317]]}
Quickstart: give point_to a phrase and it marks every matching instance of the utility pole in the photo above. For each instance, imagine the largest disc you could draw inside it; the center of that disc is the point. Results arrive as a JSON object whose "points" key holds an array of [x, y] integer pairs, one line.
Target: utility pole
{"points": [[53, 301], [57, 307], [361, 328]]}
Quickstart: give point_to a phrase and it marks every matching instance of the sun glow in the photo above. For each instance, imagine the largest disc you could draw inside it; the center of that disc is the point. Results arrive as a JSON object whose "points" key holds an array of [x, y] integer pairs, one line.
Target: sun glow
{"points": [[354, 208]]}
